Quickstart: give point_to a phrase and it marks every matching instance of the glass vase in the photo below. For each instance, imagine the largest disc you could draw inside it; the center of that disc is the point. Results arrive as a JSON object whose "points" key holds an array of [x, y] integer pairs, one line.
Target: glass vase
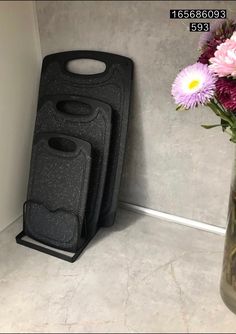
{"points": [[228, 277]]}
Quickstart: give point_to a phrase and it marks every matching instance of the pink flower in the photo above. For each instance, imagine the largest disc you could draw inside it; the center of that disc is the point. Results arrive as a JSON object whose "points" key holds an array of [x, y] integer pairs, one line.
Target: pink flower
{"points": [[206, 37], [209, 51], [193, 86], [224, 61], [220, 30]]}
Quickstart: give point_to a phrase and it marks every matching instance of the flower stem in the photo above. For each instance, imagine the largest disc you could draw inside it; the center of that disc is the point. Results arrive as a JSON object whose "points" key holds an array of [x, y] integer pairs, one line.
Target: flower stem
{"points": [[219, 112]]}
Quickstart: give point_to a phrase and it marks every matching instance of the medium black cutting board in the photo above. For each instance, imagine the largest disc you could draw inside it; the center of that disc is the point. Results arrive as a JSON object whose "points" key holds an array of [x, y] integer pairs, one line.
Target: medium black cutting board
{"points": [[89, 120]]}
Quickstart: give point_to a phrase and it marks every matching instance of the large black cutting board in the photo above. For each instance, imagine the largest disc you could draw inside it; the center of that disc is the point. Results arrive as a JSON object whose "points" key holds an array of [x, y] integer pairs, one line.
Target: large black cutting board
{"points": [[113, 87]]}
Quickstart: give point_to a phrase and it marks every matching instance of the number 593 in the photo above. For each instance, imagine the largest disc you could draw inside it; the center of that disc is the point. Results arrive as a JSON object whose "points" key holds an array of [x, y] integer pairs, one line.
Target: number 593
{"points": [[199, 26]]}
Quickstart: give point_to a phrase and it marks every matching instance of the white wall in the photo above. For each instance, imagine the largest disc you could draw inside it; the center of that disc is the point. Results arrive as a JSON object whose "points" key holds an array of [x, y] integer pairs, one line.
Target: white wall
{"points": [[172, 164], [20, 62]]}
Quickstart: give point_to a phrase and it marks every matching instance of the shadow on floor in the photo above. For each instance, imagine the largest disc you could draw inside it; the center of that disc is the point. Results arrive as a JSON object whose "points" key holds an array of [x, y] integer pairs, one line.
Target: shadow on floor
{"points": [[124, 220]]}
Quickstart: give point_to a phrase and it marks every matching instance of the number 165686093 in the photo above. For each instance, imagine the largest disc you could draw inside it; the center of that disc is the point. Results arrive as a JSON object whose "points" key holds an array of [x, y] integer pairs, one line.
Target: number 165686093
{"points": [[198, 14]]}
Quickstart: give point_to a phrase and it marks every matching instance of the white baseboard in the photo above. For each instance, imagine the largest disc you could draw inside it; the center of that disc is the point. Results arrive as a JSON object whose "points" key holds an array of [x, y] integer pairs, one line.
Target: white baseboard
{"points": [[174, 219], [164, 216]]}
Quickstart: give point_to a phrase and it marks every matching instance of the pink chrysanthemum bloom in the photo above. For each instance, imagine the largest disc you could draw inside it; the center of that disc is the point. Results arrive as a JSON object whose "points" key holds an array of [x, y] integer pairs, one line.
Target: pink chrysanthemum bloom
{"points": [[207, 36], [224, 61], [220, 30], [193, 86], [226, 93], [209, 51]]}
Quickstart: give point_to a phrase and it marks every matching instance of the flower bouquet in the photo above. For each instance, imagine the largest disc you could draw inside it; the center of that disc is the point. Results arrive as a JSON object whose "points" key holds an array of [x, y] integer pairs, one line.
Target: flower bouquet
{"points": [[211, 81]]}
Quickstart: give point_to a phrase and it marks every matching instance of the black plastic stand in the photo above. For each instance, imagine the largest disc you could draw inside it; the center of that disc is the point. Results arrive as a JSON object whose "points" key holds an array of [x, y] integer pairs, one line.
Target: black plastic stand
{"points": [[44, 249], [71, 259]]}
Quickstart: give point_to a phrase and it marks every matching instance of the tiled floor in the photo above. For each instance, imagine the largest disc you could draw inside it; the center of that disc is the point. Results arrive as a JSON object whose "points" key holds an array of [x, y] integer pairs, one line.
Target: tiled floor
{"points": [[141, 275]]}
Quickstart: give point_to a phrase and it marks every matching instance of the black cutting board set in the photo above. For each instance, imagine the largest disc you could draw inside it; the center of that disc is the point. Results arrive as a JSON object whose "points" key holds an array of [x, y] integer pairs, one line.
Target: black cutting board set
{"points": [[77, 153]]}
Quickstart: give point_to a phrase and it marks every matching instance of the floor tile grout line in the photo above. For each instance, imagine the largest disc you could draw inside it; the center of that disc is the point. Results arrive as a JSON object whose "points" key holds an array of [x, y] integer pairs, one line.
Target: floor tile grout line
{"points": [[173, 218]]}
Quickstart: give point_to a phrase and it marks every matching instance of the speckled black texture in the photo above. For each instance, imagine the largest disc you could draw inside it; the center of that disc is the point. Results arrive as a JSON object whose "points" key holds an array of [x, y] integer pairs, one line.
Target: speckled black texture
{"points": [[87, 119], [57, 190], [60, 228], [113, 87]]}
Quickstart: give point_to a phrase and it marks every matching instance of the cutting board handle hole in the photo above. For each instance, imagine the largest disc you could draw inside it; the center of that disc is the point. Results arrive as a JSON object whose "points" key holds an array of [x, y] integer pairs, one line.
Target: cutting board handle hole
{"points": [[62, 144], [75, 108], [85, 66]]}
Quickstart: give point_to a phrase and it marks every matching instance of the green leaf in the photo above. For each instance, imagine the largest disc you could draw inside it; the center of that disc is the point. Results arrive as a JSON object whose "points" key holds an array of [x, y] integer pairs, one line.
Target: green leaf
{"points": [[219, 112], [181, 108], [233, 138], [210, 126], [224, 124]]}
